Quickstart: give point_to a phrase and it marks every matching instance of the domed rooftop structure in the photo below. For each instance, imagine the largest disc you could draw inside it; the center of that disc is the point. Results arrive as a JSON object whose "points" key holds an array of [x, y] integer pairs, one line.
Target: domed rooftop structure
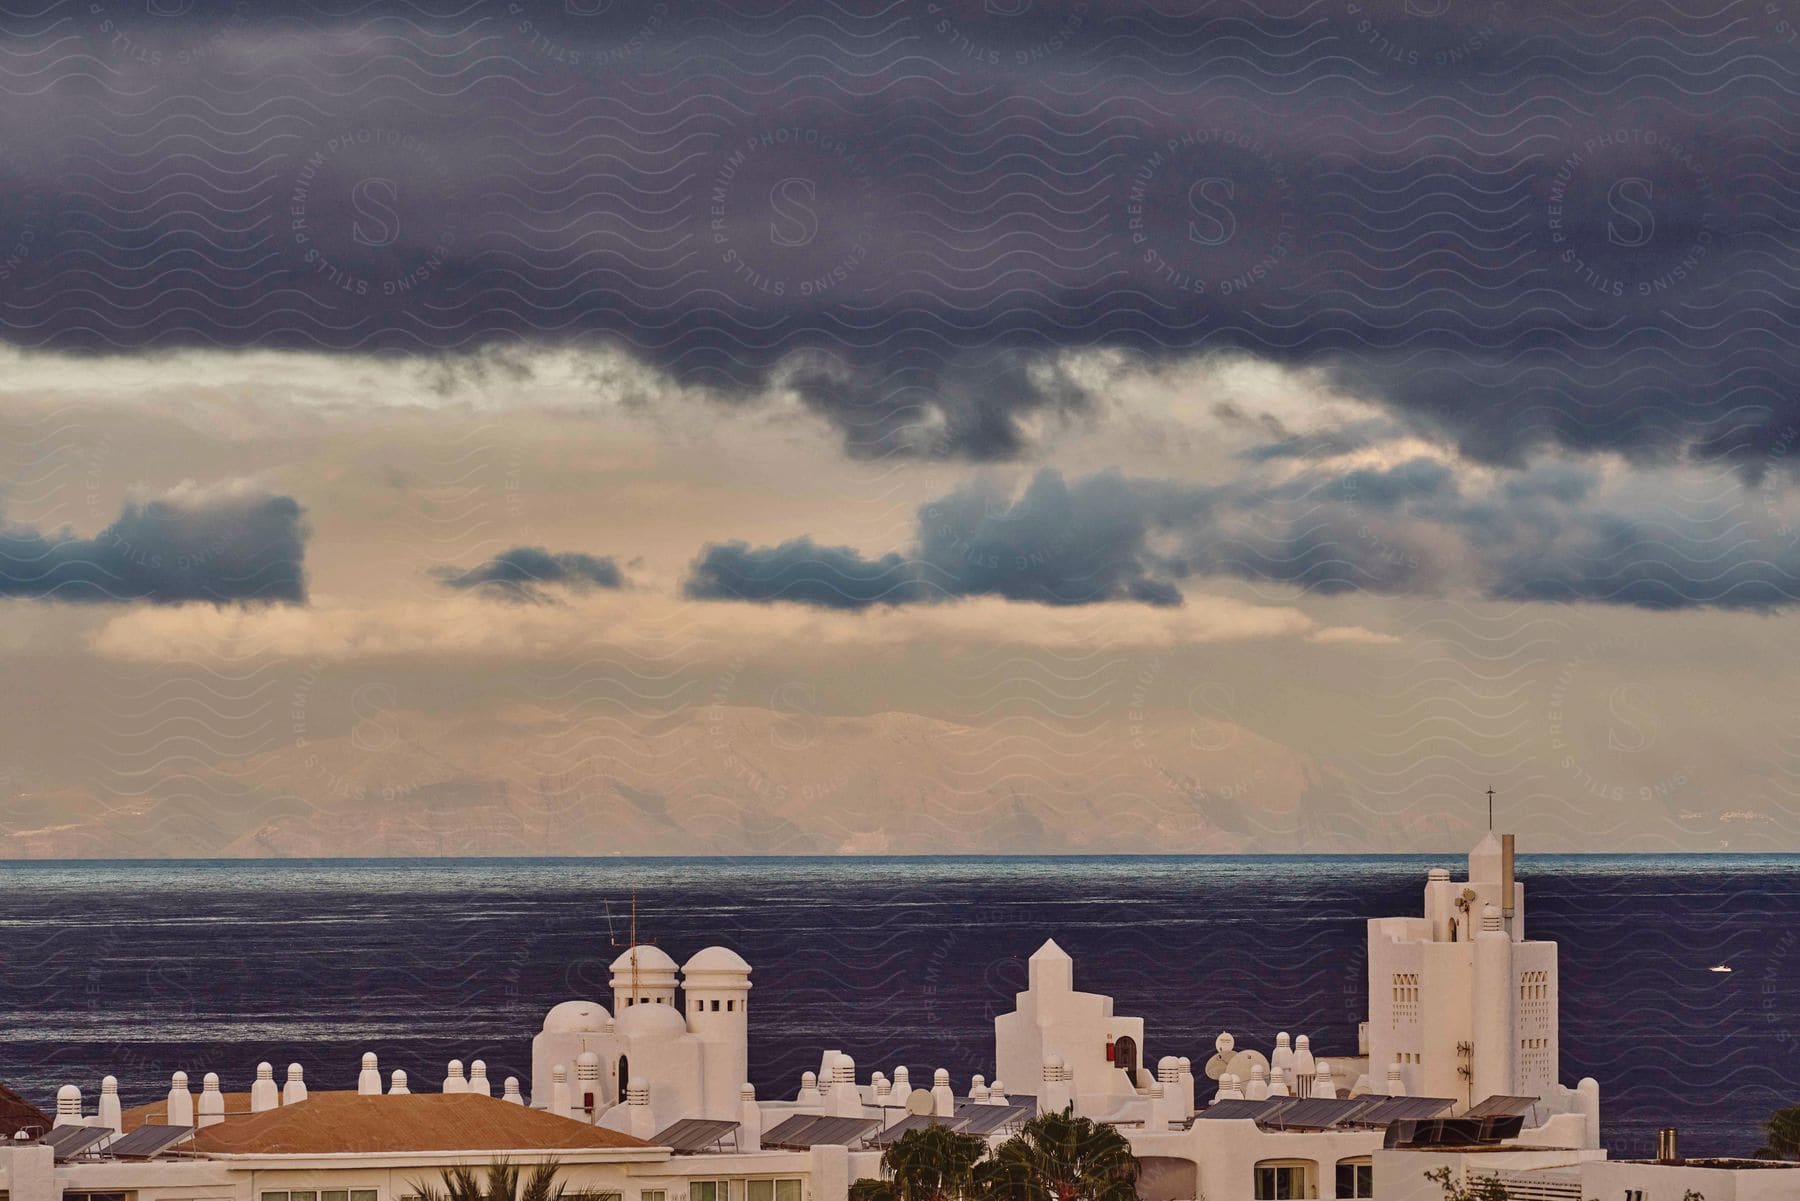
{"points": [[715, 959], [649, 959], [652, 1021], [577, 1017]]}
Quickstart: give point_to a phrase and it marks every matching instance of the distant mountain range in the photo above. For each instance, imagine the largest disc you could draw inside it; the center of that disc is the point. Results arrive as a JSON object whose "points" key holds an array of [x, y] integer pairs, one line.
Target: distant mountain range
{"points": [[710, 780]]}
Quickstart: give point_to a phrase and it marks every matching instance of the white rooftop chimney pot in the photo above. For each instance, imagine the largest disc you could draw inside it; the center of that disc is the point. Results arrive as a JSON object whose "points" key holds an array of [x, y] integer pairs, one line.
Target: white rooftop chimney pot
{"points": [[397, 1084], [809, 1093], [559, 1090], [1396, 1084], [109, 1115], [944, 1101], [212, 1101], [749, 1135], [181, 1101], [453, 1078], [478, 1079], [264, 1096], [511, 1091], [294, 1091], [1323, 1084], [640, 1117], [845, 1101], [368, 1083], [68, 1106]]}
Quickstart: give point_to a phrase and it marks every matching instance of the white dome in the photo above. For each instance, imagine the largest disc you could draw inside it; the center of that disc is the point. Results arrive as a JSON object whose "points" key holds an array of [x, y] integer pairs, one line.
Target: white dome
{"points": [[716, 959], [649, 959], [652, 1020], [576, 1017]]}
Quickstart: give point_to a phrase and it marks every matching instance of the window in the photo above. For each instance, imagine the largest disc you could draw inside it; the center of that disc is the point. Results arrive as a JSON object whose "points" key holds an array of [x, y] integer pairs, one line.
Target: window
{"points": [[730, 1005], [334, 1195], [1355, 1179], [709, 1190], [653, 1194], [715, 1005], [1634, 1194], [1280, 1182], [772, 1190]]}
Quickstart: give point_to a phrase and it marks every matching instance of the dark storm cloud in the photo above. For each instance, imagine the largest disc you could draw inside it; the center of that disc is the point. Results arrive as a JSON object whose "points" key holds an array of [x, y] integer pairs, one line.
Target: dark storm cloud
{"points": [[802, 571], [1056, 544], [524, 572], [222, 546], [1514, 234], [1409, 529]]}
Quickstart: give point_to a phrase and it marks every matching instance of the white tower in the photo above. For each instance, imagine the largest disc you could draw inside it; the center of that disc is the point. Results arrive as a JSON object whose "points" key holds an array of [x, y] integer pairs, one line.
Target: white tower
{"points": [[642, 975], [1461, 1003], [716, 985]]}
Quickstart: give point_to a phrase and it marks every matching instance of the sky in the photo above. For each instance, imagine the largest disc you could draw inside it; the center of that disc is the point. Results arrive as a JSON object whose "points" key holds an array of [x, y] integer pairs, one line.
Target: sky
{"points": [[1005, 426]]}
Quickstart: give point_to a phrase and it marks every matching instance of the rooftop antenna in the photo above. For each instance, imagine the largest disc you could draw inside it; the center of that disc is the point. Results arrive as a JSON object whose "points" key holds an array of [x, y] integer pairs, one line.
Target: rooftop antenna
{"points": [[1490, 810], [632, 945]]}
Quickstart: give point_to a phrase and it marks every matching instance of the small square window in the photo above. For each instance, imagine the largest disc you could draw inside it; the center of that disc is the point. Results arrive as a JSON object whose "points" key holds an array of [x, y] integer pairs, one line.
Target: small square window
{"points": [[715, 1006], [653, 1194]]}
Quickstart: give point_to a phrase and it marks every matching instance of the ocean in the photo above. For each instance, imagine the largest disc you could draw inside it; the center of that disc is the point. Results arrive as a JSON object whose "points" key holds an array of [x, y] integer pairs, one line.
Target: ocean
{"points": [[141, 968]]}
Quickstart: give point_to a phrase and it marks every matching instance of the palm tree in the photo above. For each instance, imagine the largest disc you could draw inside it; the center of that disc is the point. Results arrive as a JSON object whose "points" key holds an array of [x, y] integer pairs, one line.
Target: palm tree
{"points": [[931, 1164], [502, 1184], [1060, 1157], [1781, 1135]]}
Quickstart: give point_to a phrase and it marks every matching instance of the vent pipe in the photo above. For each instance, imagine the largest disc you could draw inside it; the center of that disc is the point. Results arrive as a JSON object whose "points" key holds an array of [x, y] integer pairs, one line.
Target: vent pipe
{"points": [[1506, 878], [1665, 1145]]}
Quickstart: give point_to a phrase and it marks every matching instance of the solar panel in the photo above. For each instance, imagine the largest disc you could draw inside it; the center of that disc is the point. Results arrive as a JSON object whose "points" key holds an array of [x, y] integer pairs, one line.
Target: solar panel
{"points": [[1395, 1109], [697, 1134], [985, 1119], [1498, 1106], [911, 1122], [70, 1141], [810, 1130], [1318, 1113], [1240, 1108], [147, 1142], [788, 1129]]}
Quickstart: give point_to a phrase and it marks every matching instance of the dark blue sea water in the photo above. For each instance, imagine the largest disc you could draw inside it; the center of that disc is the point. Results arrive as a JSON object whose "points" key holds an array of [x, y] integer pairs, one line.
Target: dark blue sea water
{"points": [[139, 968]]}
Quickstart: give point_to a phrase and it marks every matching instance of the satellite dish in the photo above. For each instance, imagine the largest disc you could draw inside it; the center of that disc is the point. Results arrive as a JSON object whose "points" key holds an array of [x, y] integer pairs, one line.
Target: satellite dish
{"points": [[1243, 1061], [921, 1102], [1215, 1067]]}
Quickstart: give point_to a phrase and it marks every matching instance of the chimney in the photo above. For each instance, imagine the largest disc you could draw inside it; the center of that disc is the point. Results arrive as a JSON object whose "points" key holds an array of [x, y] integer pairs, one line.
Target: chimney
{"points": [[1665, 1146], [1506, 880]]}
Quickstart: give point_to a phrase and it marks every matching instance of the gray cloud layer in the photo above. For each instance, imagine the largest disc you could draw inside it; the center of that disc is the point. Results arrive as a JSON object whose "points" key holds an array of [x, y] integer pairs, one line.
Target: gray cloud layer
{"points": [[224, 547], [524, 572], [1412, 528], [1514, 233]]}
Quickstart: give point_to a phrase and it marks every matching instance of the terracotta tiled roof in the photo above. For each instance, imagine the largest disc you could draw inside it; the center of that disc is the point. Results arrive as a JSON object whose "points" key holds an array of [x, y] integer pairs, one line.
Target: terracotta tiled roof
{"points": [[334, 1123], [16, 1114]]}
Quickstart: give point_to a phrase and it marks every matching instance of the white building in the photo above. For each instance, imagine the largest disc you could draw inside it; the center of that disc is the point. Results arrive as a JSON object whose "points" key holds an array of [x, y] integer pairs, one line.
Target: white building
{"points": [[650, 1100], [1459, 997]]}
